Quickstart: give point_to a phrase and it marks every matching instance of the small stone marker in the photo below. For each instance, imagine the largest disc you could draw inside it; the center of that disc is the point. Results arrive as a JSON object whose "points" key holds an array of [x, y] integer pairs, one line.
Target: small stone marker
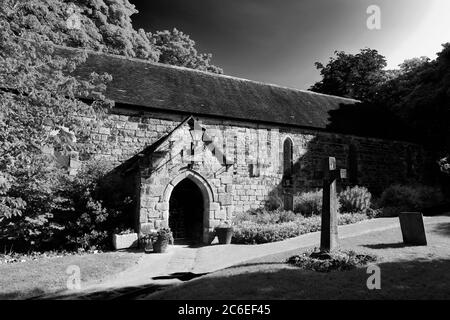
{"points": [[329, 230], [413, 229]]}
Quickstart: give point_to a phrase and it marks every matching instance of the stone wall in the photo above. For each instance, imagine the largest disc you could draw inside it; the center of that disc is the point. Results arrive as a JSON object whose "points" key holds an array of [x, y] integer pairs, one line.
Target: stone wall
{"points": [[255, 155], [257, 150]]}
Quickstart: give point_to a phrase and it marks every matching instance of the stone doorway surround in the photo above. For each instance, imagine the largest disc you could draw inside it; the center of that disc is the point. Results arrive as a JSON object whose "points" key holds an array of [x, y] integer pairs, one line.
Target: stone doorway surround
{"points": [[207, 195], [174, 158]]}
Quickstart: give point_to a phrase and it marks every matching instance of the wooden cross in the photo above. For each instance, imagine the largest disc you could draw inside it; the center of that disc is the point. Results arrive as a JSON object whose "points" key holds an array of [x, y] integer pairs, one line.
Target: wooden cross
{"points": [[329, 231]]}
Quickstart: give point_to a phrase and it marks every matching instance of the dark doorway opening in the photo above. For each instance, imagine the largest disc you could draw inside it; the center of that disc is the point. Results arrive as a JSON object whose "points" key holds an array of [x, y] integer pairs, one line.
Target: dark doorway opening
{"points": [[186, 211]]}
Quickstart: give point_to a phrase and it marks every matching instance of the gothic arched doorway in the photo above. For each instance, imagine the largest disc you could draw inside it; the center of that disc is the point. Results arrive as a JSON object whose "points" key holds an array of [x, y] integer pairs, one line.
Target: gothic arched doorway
{"points": [[186, 209]]}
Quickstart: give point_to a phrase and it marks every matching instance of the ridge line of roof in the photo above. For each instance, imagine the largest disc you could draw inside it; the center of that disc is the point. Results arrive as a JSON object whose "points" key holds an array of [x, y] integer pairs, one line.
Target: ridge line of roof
{"points": [[203, 72]]}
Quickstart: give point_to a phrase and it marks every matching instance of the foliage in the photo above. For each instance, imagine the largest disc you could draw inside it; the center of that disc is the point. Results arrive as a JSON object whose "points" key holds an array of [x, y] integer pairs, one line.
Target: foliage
{"points": [[352, 75], [176, 48], [164, 235], [309, 203], [223, 224], [88, 217], [274, 200], [355, 199], [37, 109], [264, 216], [411, 101], [398, 198], [350, 218], [444, 164], [102, 25], [336, 260], [262, 226], [41, 115]]}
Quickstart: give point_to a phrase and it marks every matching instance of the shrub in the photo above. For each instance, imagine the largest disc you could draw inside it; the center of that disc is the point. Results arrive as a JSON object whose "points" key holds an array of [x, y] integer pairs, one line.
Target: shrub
{"points": [[398, 198], [309, 203], [356, 199], [286, 216], [89, 214], [33, 191], [339, 260], [64, 212], [274, 201], [350, 218], [251, 229], [263, 216], [252, 233]]}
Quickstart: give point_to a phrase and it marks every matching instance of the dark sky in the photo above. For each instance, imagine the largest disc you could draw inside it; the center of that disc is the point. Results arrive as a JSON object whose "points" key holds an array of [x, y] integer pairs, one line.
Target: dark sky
{"points": [[278, 41]]}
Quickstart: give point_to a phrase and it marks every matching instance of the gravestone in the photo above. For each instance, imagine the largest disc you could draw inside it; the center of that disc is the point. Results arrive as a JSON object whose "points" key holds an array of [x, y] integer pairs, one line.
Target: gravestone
{"points": [[329, 230], [413, 229]]}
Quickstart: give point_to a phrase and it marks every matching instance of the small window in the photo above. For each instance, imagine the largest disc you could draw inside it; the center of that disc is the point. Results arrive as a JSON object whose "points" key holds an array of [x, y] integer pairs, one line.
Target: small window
{"points": [[287, 158], [353, 165]]}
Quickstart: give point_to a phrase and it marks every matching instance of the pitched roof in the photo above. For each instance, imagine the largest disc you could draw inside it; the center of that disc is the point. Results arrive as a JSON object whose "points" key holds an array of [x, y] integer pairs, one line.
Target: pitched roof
{"points": [[176, 89]]}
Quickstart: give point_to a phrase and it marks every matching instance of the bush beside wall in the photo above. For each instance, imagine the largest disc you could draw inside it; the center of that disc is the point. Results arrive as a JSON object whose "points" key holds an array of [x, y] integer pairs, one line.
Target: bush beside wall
{"points": [[401, 198]]}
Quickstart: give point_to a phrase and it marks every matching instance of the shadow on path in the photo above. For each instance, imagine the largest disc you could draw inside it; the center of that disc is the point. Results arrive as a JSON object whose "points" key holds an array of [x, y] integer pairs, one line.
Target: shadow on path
{"points": [[182, 276]]}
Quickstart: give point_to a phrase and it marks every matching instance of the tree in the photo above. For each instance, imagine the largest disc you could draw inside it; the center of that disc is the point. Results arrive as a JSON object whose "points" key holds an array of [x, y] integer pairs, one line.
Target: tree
{"points": [[352, 75], [105, 26], [176, 48], [101, 25], [421, 97], [412, 102], [39, 97]]}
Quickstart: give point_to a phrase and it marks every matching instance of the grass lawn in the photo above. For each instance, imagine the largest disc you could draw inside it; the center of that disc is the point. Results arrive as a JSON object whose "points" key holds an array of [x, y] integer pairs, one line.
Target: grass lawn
{"points": [[406, 273], [48, 275]]}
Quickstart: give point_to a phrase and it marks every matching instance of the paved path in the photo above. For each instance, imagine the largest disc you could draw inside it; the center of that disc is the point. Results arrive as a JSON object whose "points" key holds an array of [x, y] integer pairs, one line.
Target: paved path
{"points": [[183, 262]]}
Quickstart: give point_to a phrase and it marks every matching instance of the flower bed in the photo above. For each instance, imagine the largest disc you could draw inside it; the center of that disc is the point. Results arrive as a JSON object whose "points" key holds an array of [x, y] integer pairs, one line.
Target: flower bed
{"points": [[266, 227], [337, 260]]}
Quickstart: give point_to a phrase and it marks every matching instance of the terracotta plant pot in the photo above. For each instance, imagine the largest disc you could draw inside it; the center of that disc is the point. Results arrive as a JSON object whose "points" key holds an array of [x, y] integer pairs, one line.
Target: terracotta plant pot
{"points": [[147, 244], [224, 235], [160, 246]]}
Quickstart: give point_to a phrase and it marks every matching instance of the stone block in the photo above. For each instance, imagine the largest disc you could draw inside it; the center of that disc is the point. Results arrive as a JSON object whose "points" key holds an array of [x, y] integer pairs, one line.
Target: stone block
{"points": [[215, 206], [413, 229], [226, 180], [162, 206], [155, 189], [152, 213], [220, 215], [225, 199]]}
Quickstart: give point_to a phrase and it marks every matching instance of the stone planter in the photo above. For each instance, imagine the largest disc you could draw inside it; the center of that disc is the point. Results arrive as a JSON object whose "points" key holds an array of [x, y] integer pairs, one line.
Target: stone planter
{"points": [[125, 241], [224, 234], [160, 246]]}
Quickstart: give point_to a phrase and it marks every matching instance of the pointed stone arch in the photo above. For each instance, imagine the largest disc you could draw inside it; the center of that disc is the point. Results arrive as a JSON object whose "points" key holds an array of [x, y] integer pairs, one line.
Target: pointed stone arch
{"points": [[207, 195]]}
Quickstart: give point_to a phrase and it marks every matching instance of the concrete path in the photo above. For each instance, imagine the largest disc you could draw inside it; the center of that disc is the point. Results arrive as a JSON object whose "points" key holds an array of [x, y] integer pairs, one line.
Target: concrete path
{"points": [[159, 270]]}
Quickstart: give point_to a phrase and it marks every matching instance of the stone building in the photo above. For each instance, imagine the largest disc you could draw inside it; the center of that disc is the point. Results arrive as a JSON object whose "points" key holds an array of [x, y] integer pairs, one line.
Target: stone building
{"points": [[193, 149]]}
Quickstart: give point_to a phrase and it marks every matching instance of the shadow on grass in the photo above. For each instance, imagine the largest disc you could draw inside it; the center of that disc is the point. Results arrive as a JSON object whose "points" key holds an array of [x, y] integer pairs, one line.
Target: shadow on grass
{"points": [[123, 293], [442, 229], [21, 295], [387, 245], [419, 279]]}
